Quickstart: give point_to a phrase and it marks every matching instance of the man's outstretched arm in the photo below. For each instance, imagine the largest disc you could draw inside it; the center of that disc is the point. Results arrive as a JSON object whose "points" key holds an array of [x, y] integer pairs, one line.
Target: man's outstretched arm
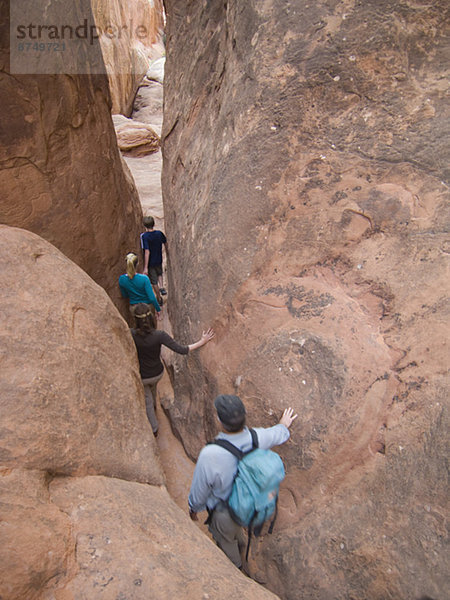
{"points": [[278, 434]]}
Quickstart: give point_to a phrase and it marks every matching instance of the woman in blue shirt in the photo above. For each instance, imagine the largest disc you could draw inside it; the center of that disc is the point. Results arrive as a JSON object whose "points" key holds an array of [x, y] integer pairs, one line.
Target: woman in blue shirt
{"points": [[137, 287]]}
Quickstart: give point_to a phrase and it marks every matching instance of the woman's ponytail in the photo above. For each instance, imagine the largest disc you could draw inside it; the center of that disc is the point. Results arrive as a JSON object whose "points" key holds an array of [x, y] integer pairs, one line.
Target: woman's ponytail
{"points": [[132, 261]]}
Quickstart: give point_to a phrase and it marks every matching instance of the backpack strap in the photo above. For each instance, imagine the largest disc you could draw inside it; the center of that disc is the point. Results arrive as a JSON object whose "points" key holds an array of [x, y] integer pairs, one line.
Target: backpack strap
{"points": [[257, 530], [228, 446], [254, 438], [250, 529], [274, 516], [233, 449]]}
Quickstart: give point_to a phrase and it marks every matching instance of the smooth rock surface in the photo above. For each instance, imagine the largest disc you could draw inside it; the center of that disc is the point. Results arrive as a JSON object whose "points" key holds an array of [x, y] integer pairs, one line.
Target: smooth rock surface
{"points": [[60, 169], [305, 177], [36, 540], [134, 542], [72, 401], [148, 104], [156, 70]]}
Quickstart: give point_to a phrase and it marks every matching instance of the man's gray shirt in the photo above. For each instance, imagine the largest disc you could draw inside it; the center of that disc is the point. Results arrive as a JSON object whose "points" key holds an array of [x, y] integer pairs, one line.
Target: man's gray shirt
{"points": [[216, 467]]}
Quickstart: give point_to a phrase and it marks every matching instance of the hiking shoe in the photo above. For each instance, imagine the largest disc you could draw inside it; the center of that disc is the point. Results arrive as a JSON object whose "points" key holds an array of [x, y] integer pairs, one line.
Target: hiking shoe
{"points": [[163, 291]]}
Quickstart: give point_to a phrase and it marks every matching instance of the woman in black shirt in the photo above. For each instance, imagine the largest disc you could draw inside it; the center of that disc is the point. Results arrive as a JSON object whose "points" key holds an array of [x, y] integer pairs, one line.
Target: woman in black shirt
{"points": [[148, 342]]}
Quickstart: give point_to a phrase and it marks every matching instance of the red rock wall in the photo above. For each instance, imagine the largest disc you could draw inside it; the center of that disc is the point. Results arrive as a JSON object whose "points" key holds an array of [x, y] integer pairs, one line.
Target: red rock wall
{"points": [[61, 174], [305, 191]]}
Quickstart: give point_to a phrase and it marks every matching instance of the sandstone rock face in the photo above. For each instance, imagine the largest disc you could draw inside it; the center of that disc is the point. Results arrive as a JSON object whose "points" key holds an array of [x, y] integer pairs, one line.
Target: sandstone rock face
{"points": [[128, 55], [135, 138], [35, 535], [156, 70], [148, 104], [304, 188], [138, 544], [66, 408], [78, 518], [61, 175]]}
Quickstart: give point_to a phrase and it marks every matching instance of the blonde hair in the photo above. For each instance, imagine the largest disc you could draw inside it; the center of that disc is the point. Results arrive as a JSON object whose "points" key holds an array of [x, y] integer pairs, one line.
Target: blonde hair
{"points": [[132, 261]]}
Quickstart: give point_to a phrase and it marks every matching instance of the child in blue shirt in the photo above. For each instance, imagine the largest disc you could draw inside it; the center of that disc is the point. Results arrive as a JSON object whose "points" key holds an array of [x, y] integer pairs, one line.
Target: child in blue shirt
{"points": [[152, 241]]}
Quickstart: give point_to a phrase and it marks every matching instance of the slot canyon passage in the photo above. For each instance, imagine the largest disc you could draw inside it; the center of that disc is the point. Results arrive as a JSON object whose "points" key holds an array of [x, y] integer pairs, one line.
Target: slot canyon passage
{"points": [[305, 201]]}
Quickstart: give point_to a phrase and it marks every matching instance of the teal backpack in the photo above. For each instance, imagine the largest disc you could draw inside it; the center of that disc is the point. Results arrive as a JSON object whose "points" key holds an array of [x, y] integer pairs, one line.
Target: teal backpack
{"points": [[254, 496]]}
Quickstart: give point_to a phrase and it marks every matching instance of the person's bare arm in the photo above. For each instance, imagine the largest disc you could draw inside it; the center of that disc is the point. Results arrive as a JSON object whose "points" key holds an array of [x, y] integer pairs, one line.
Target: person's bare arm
{"points": [[206, 337], [146, 259], [288, 417]]}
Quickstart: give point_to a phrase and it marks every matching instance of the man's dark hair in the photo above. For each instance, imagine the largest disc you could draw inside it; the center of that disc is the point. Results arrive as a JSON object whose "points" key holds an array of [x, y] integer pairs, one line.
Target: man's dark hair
{"points": [[231, 412], [149, 222]]}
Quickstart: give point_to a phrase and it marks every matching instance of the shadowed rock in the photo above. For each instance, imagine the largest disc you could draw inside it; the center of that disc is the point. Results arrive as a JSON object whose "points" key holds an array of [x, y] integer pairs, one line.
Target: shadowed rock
{"points": [[60, 169]]}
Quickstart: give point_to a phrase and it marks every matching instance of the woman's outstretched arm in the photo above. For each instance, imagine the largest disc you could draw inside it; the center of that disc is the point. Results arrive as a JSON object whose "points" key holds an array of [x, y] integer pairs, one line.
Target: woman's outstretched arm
{"points": [[206, 337]]}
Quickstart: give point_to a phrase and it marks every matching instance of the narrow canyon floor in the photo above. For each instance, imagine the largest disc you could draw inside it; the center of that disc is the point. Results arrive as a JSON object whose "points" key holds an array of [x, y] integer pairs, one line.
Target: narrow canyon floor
{"points": [[146, 172]]}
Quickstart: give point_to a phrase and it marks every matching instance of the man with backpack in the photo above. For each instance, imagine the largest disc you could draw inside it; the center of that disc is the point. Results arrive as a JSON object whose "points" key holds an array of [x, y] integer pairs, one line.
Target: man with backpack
{"points": [[218, 483]]}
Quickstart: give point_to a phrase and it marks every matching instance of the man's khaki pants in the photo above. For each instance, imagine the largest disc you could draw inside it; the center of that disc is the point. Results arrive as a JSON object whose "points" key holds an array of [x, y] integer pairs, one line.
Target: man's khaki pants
{"points": [[227, 534]]}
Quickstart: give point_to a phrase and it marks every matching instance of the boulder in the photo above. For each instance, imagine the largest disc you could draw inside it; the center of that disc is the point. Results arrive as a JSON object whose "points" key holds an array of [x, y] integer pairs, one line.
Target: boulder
{"points": [[156, 70], [132, 541], [310, 144], [37, 543], [72, 401], [135, 138], [148, 104]]}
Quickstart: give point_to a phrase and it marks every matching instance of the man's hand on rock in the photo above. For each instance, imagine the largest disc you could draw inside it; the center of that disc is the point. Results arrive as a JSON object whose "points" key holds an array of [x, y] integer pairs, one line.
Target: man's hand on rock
{"points": [[288, 417]]}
